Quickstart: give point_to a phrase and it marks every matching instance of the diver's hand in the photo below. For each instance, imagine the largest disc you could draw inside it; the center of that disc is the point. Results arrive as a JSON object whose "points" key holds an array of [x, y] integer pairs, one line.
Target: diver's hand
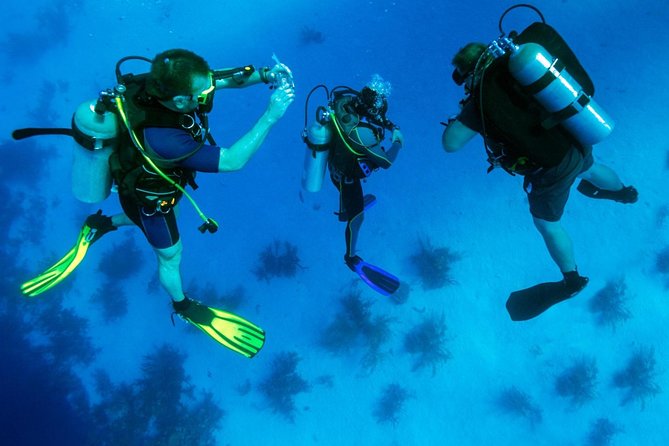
{"points": [[279, 103], [280, 76], [397, 137]]}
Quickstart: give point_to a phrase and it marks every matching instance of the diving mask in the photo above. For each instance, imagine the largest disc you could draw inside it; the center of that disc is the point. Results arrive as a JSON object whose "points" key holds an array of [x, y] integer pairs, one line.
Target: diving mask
{"points": [[205, 97]]}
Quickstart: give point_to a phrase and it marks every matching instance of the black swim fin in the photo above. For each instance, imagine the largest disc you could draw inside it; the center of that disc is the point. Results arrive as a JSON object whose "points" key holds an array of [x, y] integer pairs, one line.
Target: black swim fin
{"points": [[380, 280], [228, 329], [529, 303], [628, 194]]}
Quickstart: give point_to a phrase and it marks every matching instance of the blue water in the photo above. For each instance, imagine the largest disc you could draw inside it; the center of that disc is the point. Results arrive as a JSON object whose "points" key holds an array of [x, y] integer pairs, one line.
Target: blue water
{"points": [[73, 374]]}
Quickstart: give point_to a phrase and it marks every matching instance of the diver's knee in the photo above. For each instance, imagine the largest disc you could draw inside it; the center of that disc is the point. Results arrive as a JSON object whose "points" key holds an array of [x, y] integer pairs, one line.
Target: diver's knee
{"points": [[547, 227], [171, 254]]}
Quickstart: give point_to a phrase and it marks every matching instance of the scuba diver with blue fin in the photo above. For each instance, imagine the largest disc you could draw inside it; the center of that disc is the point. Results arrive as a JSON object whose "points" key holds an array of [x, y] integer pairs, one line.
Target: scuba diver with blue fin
{"points": [[347, 137], [149, 136], [531, 100]]}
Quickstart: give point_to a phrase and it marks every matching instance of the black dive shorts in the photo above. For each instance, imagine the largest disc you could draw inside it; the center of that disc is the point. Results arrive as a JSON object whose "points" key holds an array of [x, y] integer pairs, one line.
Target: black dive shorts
{"points": [[161, 229], [548, 189]]}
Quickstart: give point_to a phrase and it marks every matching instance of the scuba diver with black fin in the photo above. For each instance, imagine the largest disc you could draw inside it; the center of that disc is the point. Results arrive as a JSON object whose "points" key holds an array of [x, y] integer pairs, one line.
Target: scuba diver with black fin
{"points": [[150, 134], [347, 137], [531, 100]]}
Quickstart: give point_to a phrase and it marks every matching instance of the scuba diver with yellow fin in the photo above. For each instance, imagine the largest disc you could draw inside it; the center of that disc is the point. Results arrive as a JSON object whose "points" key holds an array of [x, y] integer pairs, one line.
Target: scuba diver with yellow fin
{"points": [[531, 100], [150, 134], [347, 137]]}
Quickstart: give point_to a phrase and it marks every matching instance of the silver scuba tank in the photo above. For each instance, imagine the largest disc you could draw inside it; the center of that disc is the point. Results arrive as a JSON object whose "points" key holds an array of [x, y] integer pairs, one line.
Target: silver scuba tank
{"points": [[559, 93], [95, 132], [317, 136]]}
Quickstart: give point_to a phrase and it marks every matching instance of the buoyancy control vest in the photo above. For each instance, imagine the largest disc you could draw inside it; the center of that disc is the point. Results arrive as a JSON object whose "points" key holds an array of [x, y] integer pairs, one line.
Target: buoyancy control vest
{"points": [[349, 154], [521, 135], [136, 179]]}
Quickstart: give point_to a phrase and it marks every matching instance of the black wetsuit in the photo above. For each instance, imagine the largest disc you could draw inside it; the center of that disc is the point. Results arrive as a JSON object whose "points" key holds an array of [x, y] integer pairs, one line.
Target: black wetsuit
{"points": [[556, 159], [353, 157]]}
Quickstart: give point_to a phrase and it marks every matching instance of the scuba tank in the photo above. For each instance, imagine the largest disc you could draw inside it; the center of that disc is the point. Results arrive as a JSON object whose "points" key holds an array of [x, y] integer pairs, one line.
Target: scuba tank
{"points": [[95, 133], [545, 77], [316, 137], [559, 93]]}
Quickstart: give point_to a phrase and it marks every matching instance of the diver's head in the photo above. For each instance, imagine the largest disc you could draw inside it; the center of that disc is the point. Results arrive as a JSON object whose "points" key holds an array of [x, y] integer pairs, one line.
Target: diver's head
{"points": [[373, 99], [465, 61], [181, 80]]}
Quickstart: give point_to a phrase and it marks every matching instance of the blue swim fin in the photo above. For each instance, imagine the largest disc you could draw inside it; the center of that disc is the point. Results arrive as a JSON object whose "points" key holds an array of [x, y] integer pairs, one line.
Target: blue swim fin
{"points": [[378, 279]]}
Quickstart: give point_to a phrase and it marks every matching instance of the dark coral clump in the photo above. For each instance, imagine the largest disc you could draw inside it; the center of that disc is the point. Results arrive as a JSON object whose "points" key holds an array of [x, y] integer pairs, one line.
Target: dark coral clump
{"points": [[662, 261], [354, 326], [311, 36], [34, 381], [389, 406], [283, 384], [515, 402], [157, 409], [123, 261], [637, 379], [53, 27], [228, 300], [433, 265], [577, 382], [112, 299], [69, 341], [609, 305], [20, 169], [278, 259], [426, 341], [602, 432], [353, 319]]}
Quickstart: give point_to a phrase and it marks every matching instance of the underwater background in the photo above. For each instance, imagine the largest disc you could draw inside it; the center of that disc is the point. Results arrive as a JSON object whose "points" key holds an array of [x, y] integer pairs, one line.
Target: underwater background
{"points": [[97, 360]]}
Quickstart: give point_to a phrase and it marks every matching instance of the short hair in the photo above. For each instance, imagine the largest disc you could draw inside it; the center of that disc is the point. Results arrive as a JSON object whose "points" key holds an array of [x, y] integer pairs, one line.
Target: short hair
{"points": [[172, 73], [466, 58]]}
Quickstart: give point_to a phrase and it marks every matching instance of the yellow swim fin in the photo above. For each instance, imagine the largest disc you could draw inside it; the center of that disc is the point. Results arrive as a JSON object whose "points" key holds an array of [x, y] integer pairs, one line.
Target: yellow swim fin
{"points": [[228, 329], [96, 226]]}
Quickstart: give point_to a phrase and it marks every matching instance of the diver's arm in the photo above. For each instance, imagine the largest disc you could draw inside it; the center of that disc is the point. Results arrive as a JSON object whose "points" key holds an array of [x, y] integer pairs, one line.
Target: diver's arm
{"points": [[386, 158], [456, 135], [240, 77], [245, 76], [397, 143], [237, 155]]}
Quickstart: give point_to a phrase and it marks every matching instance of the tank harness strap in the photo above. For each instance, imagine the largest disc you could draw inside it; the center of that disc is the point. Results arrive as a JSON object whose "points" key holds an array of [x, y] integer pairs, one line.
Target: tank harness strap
{"points": [[549, 76], [567, 112]]}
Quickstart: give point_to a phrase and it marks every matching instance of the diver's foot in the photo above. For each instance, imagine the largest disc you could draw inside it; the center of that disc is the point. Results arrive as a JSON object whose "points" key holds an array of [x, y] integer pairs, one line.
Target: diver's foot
{"points": [[628, 194], [99, 224], [180, 306], [574, 282], [352, 262]]}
